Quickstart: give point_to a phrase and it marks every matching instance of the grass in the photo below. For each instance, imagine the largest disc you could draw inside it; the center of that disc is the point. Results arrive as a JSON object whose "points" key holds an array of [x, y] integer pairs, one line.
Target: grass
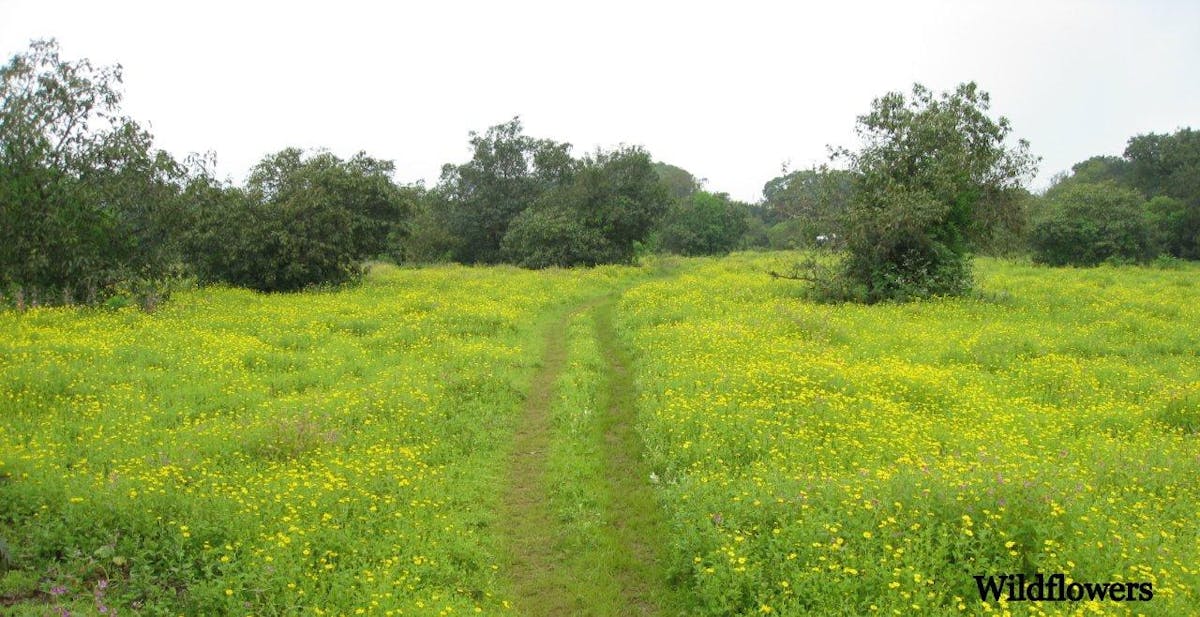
{"points": [[838, 459], [704, 442], [233, 452]]}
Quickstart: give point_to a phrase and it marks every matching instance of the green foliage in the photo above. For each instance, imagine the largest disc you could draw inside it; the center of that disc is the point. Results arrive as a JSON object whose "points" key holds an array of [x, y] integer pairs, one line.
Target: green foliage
{"points": [[1174, 226], [679, 181], [897, 252], [927, 164], [789, 235], [820, 197], [612, 202], [507, 173], [704, 224], [1163, 168], [6, 558], [1000, 223], [553, 235], [1166, 164], [1087, 224], [757, 234], [1102, 169], [426, 237], [85, 202], [300, 222]]}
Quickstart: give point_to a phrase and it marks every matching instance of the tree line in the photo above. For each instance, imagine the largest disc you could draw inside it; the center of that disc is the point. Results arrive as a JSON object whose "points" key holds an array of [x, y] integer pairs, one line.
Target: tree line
{"points": [[91, 211]]}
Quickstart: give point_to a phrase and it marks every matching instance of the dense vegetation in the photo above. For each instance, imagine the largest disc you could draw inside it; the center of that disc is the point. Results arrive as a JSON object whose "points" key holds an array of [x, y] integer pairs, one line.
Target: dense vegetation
{"points": [[267, 454], [851, 460], [86, 203], [92, 210], [706, 440], [1145, 204], [929, 165], [247, 453]]}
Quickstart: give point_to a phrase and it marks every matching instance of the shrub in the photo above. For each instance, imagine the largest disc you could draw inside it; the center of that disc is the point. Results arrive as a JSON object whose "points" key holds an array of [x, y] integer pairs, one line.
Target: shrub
{"points": [[610, 207], [1174, 227], [1087, 224], [897, 252], [927, 166], [299, 223], [704, 224], [86, 203], [554, 236]]}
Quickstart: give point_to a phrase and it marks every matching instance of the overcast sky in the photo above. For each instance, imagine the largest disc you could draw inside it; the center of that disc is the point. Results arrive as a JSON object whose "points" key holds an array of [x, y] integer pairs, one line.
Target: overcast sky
{"points": [[730, 91]]}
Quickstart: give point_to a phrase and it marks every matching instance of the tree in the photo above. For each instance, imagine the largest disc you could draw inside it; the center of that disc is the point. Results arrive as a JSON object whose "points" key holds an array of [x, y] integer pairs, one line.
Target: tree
{"points": [[1000, 222], [1086, 224], [681, 184], [808, 203], [508, 172], [363, 186], [1166, 164], [1166, 168], [85, 201], [704, 224], [1174, 227], [300, 221], [926, 164], [425, 238], [613, 202], [553, 235], [1102, 169], [819, 194]]}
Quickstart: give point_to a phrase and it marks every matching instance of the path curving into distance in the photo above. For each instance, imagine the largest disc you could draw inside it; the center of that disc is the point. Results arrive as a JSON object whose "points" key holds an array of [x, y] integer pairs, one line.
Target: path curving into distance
{"points": [[600, 554]]}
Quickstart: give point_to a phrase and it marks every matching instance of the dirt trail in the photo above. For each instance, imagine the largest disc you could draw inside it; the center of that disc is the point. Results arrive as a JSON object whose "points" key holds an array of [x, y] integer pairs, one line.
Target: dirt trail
{"points": [[635, 517], [528, 521], [540, 572]]}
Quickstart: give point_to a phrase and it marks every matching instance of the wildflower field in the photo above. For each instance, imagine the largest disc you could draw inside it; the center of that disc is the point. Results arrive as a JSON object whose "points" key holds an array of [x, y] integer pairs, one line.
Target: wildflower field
{"points": [[239, 453], [872, 459], [352, 452]]}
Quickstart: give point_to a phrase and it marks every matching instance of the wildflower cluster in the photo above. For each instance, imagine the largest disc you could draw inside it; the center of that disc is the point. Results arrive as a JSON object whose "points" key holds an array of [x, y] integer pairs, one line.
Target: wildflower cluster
{"points": [[332, 453], [859, 460]]}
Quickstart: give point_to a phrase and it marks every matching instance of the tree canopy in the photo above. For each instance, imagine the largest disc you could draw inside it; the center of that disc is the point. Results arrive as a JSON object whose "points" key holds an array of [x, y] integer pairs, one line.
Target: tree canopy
{"points": [[613, 202], [927, 163], [85, 199], [507, 172], [300, 221], [1160, 171], [704, 224]]}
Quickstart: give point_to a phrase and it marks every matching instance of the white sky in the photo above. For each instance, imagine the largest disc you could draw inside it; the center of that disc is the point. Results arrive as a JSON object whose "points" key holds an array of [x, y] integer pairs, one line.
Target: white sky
{"points": [[729, 90]]}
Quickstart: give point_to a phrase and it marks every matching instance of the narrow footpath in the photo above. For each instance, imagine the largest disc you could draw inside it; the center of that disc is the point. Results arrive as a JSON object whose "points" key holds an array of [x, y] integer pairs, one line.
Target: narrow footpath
{"points": [[559, 564]]}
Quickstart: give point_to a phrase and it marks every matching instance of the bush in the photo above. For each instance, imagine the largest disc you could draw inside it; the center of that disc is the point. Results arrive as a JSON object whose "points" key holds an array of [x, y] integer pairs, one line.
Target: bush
{"points": [[274, 245], [554, 237], [791, 234], [299, 223], [1174, 227], [704, 224], [86, 203], [1087, 224], [607, 210], [927, 167], [508, 172], [426, 237], [757, 235], [896, 251]]}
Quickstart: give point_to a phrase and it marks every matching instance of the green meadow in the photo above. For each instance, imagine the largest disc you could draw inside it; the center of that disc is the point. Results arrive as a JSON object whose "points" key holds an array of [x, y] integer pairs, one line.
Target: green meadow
{"points": [[684, 437]]}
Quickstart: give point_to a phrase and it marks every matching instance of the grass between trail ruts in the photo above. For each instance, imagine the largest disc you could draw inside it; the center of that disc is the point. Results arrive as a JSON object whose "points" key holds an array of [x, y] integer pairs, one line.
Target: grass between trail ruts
{"points": [[580, 513]]}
